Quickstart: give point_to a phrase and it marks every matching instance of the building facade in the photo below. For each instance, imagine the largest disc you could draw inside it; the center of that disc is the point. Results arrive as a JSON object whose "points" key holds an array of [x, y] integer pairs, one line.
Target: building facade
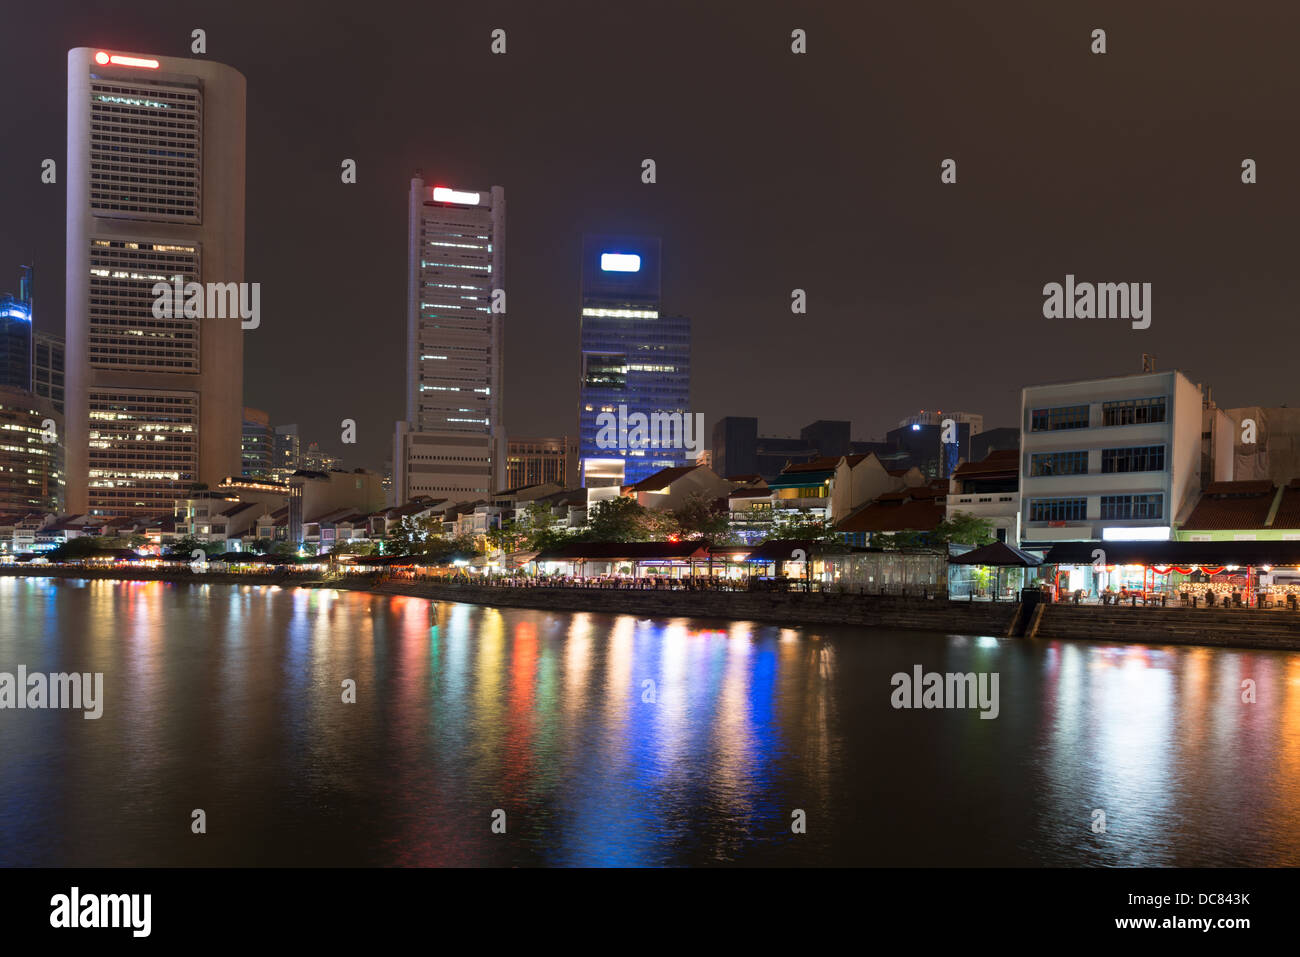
{"points": [[47, 368], [257, 447], [452, 444], [989, 489], [155, 193], [932, 447], [15, 343], [1108, 458], [288, 452], [534, 461], [634, 360], [31, 453]]}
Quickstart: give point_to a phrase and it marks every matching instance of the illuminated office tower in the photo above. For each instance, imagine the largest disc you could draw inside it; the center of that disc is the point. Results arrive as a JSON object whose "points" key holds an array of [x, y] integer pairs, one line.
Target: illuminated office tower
{"points": [[155, 188], [451, 444], [632, 357], [15, 342]]}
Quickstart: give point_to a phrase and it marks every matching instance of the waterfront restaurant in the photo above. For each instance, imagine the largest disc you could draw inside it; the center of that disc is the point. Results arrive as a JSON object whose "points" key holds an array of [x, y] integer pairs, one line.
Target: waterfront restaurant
{"points": [[1262, 574], [626, 559]]}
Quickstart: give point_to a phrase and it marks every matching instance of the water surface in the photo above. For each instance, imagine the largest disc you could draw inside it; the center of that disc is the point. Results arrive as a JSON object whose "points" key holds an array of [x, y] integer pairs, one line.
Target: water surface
{"points": [[229, 699]]}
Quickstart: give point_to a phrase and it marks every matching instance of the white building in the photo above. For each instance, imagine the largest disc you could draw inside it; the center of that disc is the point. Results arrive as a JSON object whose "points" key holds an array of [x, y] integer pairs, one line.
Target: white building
{"points": [[155, 192], [1109, 458], [451, 444], [990, 490]]}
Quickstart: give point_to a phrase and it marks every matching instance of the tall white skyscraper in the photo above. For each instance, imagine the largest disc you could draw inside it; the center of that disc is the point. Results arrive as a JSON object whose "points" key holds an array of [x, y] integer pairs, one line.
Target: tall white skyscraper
{"points": [[451, 444], [155, 187]]}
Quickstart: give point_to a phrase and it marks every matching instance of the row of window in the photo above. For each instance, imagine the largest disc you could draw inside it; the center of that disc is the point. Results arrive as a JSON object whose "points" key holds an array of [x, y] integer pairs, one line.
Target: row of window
{"points": [[1142, 458], [1138, 507], [1121, 412]]}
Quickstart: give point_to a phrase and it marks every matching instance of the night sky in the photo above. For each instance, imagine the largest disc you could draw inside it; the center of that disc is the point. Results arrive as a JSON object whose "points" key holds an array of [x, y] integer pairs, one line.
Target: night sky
{"points": [[775, 171]]}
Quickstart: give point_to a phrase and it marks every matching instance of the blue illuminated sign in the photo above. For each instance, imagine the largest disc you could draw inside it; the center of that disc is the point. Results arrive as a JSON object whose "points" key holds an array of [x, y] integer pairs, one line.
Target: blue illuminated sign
{"points": [[620, 262]]}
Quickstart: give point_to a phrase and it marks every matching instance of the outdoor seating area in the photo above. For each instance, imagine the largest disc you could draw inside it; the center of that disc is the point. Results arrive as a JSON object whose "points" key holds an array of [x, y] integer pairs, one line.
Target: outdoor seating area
{"points": [[1226, 574]]}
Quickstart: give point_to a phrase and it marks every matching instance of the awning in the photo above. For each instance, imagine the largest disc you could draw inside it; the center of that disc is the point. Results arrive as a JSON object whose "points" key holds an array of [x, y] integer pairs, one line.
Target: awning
{"points": [[999, 555], [1175, 553], [625, 552], [782, 550]]}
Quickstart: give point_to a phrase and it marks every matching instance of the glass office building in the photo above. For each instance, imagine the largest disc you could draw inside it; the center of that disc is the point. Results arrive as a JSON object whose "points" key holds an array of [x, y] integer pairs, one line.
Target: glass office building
{"points": [[634, 359]]}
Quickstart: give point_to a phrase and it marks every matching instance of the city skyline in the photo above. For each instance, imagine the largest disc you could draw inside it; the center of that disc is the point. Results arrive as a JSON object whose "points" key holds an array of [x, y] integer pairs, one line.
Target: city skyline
{"points": [[918, 264]]}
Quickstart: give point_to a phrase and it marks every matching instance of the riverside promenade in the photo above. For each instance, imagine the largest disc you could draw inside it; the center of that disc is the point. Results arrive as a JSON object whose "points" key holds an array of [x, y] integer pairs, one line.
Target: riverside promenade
{"points": [[1151, 625]]}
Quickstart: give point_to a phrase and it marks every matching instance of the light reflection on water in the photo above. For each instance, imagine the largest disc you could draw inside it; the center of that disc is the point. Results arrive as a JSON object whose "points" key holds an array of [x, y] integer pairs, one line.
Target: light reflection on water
{"points": [[609, 740]]}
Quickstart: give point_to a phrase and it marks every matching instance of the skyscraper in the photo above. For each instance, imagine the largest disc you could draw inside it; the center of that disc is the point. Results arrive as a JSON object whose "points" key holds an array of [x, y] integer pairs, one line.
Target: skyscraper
{"points": [[258, 451], [451, 444], [632, 356], [287, 457], [48, 355], [31, 453], [155, 187], [15, 343], [534, 460]]}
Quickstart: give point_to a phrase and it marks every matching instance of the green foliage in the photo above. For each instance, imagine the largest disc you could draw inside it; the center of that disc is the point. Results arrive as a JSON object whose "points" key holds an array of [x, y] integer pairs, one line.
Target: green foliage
{"points": [[510, 537], [617, 520], [902, 540], [963, 528], [184, 547], [412, 536], [800, 528], [463, 545], [77, 548], [346, 547], [697, 517]]}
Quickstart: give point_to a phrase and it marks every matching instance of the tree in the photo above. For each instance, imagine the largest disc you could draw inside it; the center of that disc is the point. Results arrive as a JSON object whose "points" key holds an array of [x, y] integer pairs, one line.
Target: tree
{"points": [[345, 546], [510, 537], [185, 547], [412, 536], [616, 520], [699, 516], [963, 528], [260, 546], [542, 530], [75, 549], [465, 545], [801, 528]]}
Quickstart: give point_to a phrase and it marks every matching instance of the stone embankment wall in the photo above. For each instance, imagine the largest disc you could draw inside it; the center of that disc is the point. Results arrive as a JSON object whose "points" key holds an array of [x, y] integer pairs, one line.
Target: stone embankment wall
{"points": [[1236, 627]]}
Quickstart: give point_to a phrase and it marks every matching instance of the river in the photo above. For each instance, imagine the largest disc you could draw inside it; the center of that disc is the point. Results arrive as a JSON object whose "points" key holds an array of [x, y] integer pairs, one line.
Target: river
{"points": [[514, 737]]}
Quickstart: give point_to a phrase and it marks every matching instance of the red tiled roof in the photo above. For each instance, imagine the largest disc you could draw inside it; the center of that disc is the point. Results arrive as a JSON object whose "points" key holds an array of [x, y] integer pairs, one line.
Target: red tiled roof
{"points": [[1288, 514], [751, 493], [745, 479], [937, 490], [911, 516], [998, 462], [1232, 505]]}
